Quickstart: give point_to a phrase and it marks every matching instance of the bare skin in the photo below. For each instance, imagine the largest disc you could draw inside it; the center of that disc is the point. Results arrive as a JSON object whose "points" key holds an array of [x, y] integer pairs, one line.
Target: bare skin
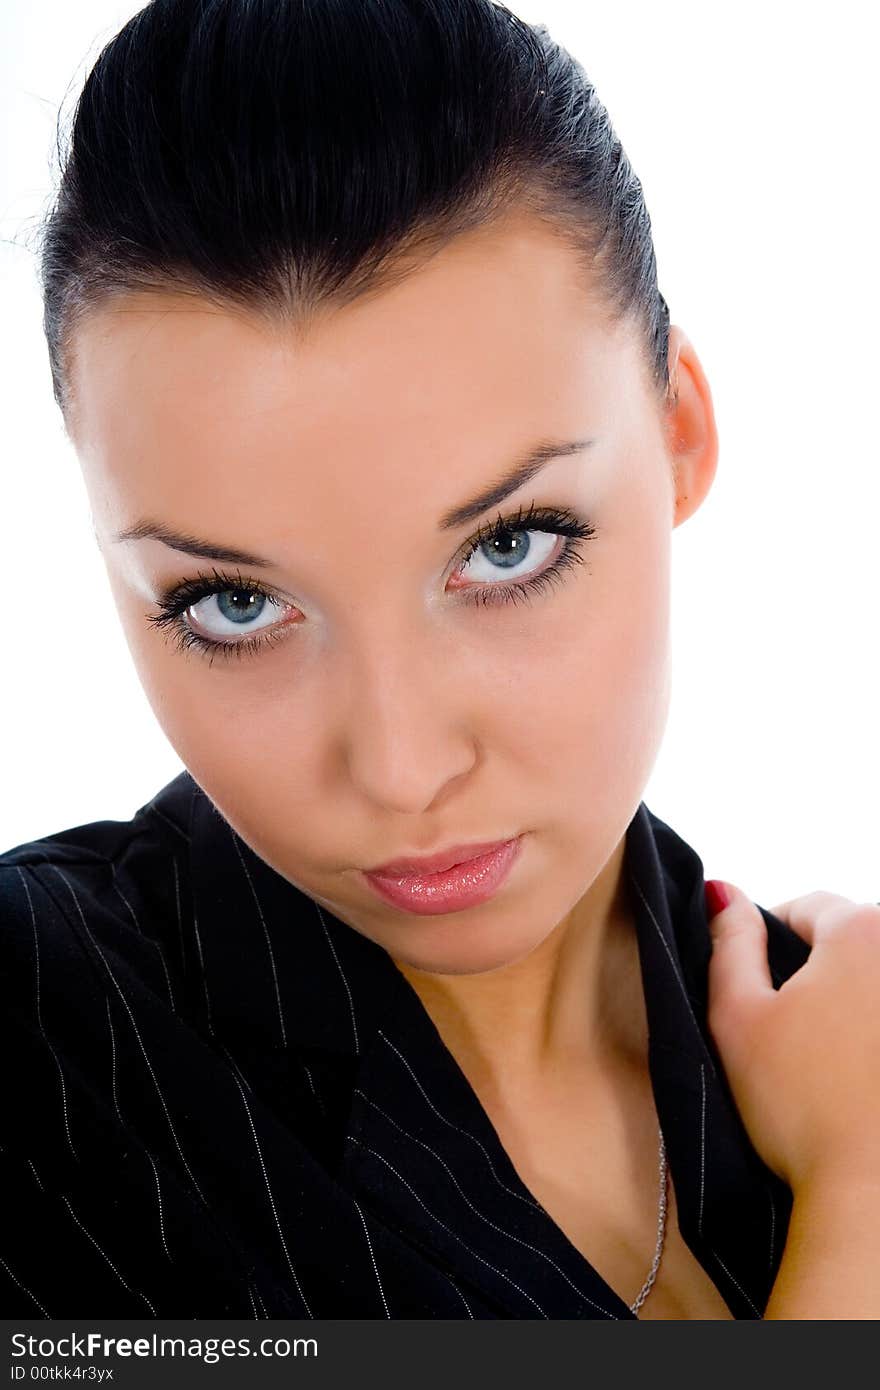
{"points": [[395, 718], [598, 1119], [556, 1137]]}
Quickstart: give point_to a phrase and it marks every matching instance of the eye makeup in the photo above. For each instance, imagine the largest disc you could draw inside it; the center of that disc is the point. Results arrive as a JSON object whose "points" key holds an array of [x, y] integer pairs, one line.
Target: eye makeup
{"points": [[177, 601]]}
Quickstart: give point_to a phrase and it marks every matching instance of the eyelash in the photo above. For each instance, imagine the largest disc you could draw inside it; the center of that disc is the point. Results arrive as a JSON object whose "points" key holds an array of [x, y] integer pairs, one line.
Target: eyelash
{"points": [[557, 521]]}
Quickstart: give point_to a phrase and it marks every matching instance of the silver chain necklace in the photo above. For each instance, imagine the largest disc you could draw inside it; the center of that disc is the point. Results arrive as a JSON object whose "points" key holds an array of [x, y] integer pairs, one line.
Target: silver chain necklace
{"points": [[661, 1232]]}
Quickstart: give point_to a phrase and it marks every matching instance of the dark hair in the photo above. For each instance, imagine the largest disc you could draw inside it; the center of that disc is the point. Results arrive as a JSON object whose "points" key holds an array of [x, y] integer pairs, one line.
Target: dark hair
{"points": [[281, 155]]}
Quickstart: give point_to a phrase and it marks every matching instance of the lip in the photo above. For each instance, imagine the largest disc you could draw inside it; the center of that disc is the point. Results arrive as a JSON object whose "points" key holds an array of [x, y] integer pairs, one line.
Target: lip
{"points": [[433, 863], [461, 885]]}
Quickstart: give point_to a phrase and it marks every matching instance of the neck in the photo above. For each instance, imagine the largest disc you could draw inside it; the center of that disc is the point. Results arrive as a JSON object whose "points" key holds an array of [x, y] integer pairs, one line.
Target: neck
{"points": [[574, 1006]]}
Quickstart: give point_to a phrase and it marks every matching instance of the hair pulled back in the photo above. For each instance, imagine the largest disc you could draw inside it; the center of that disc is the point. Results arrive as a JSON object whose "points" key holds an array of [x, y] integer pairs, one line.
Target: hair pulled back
{"points": [[281, 156]]}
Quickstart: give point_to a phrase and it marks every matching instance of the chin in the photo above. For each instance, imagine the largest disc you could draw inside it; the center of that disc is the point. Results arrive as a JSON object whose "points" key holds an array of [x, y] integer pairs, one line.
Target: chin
{"points": [[450, 954]]}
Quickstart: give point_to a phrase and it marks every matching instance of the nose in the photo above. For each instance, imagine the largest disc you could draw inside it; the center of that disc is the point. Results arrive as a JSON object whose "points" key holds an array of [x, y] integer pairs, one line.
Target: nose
{"points": [[407, 733]]}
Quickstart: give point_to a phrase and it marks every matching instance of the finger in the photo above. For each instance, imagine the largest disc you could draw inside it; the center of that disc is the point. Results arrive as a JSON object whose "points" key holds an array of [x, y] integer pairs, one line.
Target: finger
{"points": [[739, 972], [814, 914]]}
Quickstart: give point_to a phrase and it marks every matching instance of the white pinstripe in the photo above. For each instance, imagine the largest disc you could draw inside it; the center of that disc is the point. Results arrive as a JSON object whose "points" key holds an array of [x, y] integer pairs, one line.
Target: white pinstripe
{"points": [[113, 978], [686, 998], [151, 940], [112, 1059], [309, 1312], [265, 933], [232, 1062], [735, 1282], [320, 1104], [166, 820], [357, 1046], [122, 1121], [460, 1294], [529, 1201], [672, 961], [23, 1287], [159, 1198], [489, 1222], [179, 915], [372, 1257], [476, 1256], [107, 1257], [204, 977], [40, 1014]]}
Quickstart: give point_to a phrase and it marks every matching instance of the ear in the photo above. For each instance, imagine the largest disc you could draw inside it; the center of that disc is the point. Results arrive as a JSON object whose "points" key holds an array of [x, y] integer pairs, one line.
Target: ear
{"points": [[691, 432]]}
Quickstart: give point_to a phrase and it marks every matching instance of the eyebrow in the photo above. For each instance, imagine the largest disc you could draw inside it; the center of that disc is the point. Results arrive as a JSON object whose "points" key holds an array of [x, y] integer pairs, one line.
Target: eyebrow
{"points": [[526, 467]]}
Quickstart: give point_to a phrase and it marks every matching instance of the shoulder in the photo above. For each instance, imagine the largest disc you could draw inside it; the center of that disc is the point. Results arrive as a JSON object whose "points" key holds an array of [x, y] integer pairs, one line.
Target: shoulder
{"points": [[92, 898], [685, 882]]}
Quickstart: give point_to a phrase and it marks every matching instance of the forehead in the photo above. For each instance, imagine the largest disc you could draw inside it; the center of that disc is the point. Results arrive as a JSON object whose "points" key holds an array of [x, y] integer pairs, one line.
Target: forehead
{"points": [[494, 339]]}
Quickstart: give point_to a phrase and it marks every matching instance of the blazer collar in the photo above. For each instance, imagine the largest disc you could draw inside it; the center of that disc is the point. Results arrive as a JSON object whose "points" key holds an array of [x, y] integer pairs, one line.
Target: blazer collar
{"points": [[281, 973], [321, 984]]}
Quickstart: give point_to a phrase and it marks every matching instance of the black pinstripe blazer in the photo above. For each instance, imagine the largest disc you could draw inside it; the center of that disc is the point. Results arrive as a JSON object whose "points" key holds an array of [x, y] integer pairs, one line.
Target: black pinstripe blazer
{"points": [[220, 1100]]}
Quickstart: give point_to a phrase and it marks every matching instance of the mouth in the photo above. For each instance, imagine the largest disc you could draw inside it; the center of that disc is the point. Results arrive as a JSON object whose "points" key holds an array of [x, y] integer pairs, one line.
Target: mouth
{"points": [[409, 866], [459, 885]]}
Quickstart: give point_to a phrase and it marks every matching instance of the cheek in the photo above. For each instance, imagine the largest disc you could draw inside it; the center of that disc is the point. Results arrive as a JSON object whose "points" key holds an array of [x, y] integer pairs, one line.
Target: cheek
{"points": [[595, 694], [217, 720]]}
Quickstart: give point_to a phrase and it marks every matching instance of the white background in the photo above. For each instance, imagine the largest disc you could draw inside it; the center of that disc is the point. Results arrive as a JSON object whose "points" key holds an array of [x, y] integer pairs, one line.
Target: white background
{"points": [[753, 129]]}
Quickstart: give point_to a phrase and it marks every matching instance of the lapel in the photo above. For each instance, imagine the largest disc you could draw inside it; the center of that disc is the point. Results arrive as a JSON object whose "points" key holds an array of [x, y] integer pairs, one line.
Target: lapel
{"points": [[733, 1210], [289, 988]]}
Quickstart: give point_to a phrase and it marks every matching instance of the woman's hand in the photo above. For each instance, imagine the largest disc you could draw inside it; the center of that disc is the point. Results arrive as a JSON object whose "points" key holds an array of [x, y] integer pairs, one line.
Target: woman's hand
{"points": [[803, 1061]]}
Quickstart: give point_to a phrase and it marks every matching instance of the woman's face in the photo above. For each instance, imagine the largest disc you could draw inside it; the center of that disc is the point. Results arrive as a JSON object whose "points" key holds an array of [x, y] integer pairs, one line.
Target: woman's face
{"points": [[385, 710]]}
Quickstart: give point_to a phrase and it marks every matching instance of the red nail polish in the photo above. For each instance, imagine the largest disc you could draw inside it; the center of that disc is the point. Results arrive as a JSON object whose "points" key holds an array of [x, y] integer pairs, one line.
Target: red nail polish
{"points": [[718, 896]]}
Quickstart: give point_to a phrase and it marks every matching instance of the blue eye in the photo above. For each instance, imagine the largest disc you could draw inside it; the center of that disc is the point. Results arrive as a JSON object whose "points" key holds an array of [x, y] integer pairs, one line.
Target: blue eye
{"points": [[239, 607], [240, 602], [505, 545], [500, 548]]}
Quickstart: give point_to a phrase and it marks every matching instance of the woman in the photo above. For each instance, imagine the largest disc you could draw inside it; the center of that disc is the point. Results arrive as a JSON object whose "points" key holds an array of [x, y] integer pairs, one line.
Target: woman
{"points": [[395, 1003]]}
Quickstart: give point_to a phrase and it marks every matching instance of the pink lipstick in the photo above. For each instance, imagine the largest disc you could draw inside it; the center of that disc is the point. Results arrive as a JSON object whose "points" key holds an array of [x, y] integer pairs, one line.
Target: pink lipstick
{"points": [[448, 889]]}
